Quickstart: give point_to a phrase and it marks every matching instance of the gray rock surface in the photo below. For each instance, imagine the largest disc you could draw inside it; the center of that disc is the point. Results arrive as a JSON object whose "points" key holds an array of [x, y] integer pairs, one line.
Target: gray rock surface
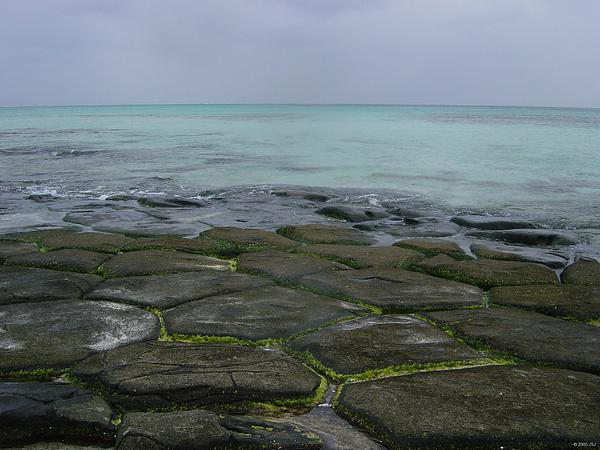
{"points": [[248, 240], [352, 213], [171, 202], [484, 407], [63, 238], [528, 236], [31, 412], [361, 257], [492, 223], [160, 374], [433, 247], [502, 251], [8, 248], [67, 259], [425, 227], [528, 335], [58, 333], [583, 272], [259, 313], [198, 245], [325, 234], [382, 341]]}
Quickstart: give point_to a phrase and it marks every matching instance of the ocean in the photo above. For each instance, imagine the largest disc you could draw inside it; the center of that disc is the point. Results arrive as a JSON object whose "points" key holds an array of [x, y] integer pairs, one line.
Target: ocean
{"points": [[542, 163]]}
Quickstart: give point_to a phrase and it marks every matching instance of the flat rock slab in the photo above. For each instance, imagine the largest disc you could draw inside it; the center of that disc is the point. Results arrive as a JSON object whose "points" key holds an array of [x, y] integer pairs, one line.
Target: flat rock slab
{"points": [[528, 236], [361, 257], [583, 272], [167, 291], [285, 266], [31, 412], [580, 302], [325, 234], [492, 223], [378, 342], [487, 273], [171, 202], [21, 284], [59, 239], [155, 262], [243, 240], [394, 290], [484, 407], [58, 333], [433, 247], [426, 227], [207, 430], [352, 214], [259, 313], [159, 374], [528, 335], [197, 245], [506, 252], [74, 260], [8, 249]]}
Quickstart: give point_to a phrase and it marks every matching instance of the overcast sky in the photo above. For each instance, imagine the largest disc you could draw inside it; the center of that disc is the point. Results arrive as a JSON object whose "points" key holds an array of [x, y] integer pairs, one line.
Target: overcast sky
{"points": [[492, 52]]}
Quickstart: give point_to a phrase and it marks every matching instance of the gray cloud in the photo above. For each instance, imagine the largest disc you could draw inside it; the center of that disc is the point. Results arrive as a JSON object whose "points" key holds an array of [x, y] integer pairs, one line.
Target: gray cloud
{"points": [[536, 52]]}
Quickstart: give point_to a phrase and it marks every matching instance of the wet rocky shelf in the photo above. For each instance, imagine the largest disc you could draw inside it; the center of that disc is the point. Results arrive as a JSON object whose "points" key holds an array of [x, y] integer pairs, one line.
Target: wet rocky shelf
{"points": [[301, 336]]}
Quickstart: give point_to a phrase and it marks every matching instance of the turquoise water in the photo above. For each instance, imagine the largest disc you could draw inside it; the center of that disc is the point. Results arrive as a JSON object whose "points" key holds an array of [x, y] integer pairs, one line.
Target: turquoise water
{"points": [[539, 162]]}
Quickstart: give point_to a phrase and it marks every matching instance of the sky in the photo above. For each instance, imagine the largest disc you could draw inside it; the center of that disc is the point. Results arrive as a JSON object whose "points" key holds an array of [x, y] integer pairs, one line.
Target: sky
{"points": [[485, 52]]}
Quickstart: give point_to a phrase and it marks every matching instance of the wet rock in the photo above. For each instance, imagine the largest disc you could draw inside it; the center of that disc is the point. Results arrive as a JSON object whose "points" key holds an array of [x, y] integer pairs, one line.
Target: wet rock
{"points": [[325, 234], [207, 430], [393, 290], [155, 262], [58, 333], [529, 335], [362, 257], [484, 407], [61, 239], [121, 198], [285, 266], [74, 260], [8, 249], [492, 223], [430, 227], [20, 285], [166, 291], [198, 245], [528, 236], [406, 213], [487, 273], [506, 252], [352, 214], [171, 202], [580, 302], [582, 272], [311, 196], [160, 374], [378, 342], [31, 412], [242, 240], [433, 247], [259, 313], [41, 198]]}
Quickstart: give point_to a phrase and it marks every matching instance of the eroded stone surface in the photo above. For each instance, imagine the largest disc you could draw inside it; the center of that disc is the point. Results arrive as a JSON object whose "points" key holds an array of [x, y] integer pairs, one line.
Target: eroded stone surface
{"points": [[425, 227], [580, 302], [8, 248], [433, 247], [171, 202], [207, 430], [529, 335], [362, 257], [67, 259], [159, 374], [21, 284], [166, 291], [325, 234], [528, 236], [60, 239], [492, 223], [487, 273], [58, 333], [148, 262], [352, 214], [583, 272], [378, 342], [31, 412], [394, 289], [259, 313], [197, 245], [485, 407], [506, 252], [247, 240]]}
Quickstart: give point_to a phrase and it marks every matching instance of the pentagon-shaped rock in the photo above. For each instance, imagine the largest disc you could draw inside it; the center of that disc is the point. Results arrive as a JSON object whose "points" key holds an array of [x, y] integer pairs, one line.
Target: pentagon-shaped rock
{"points": [[260, 313], [487, 273], [159, 374], [528, 236], [8, 249], [60, 239], [155, 262], [583, 272], [361, 257], [285, 266], [378, 342], [166, 291], [483, 407], [20, 284], [58, 333], [506, 252], [198, 245], [580, 302], [325, 234], [67, 260], [433, 247], [394, 290], [529, 335], [492, 223], [207, 430], [31, 412], [352, 214], [241, 240]]}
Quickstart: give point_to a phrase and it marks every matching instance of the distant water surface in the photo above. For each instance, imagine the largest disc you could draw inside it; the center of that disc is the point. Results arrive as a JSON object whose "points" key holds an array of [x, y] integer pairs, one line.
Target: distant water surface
{"points": [[537, 162]]}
